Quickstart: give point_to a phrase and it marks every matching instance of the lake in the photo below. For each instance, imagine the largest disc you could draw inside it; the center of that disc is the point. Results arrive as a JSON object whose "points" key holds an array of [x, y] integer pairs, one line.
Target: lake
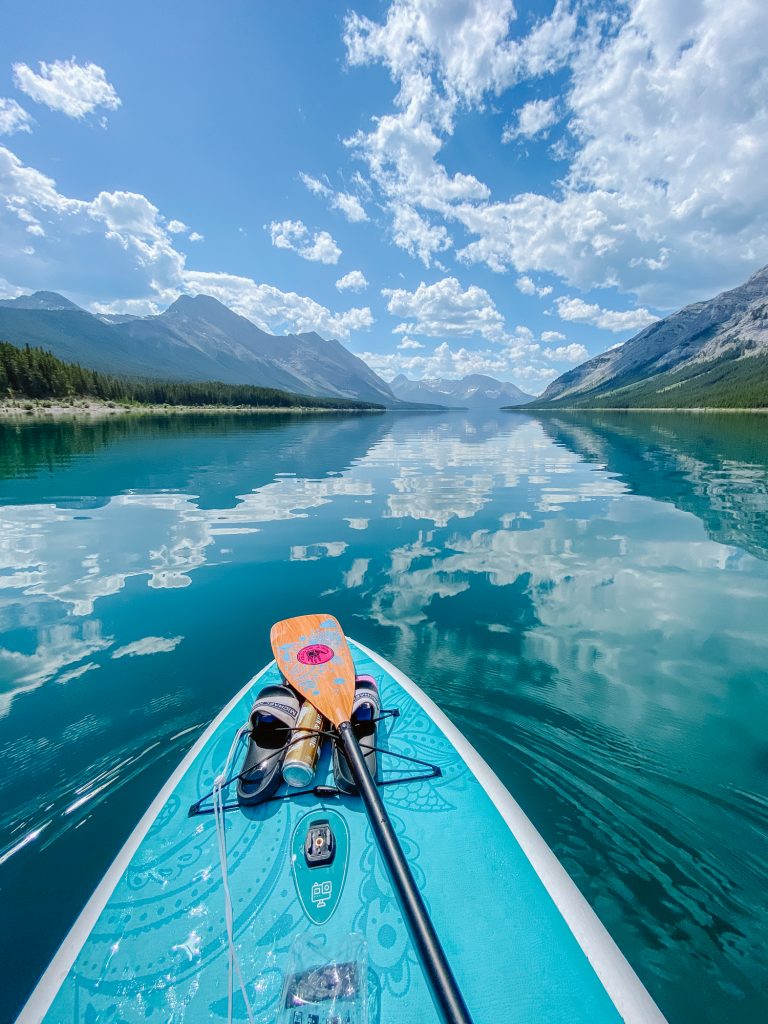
{"points": [[585, 595]]}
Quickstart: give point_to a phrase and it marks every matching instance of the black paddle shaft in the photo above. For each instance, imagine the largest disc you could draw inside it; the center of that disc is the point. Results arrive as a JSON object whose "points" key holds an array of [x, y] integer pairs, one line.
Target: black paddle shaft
{"points": [[436, 967]]}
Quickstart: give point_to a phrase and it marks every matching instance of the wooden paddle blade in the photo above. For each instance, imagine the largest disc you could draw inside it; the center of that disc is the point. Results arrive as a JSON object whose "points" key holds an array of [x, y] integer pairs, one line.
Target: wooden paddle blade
{"points": [[312, 653]]}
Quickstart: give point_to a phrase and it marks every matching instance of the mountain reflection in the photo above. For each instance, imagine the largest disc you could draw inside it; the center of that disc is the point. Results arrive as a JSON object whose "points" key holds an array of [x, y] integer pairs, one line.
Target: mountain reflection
{"points": [[579, 592], [714, 466]]}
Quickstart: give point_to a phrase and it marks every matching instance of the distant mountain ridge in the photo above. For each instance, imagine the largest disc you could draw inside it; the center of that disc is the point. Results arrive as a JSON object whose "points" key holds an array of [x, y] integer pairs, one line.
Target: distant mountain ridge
{"points": [[712, 352], [196, 338], [41, 300], [475, 391]]}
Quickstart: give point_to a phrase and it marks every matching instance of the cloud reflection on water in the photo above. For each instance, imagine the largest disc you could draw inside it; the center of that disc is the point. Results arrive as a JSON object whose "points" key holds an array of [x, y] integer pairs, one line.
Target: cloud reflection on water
{"points": [[586, 596]]}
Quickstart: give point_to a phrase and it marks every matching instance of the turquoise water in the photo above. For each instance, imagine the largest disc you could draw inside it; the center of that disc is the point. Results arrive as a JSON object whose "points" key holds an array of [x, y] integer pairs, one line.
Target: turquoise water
{"points": [[586, 596]]}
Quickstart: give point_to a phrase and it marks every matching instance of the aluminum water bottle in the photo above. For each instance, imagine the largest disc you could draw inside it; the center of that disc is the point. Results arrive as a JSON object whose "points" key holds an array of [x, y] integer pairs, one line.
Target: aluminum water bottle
{"points": [[301, 760]]}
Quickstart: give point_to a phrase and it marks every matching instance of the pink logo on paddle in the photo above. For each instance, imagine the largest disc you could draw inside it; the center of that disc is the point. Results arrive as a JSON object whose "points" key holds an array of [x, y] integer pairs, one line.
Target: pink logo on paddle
{"points": [[315, 654]]}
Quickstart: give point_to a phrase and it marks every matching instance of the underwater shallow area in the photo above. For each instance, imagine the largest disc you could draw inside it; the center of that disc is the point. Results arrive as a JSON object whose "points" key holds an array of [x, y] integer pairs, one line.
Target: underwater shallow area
{"points": [[585, 595]]}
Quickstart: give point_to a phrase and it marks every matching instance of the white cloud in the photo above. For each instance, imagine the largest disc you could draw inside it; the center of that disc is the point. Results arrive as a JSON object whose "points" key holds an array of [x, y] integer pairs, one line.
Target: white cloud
{"points": [[416, 235], [444, 361], [465, 45], [665, 194], [345, 202], [294, 235], [8, 290], [444, 308], [354, 281], [177, 226], [400, 153], [409, 345], [128, 214], [315, 186], [135, 307], [350, 206], [74, 89], [13, 118], [148, 645], [583, 312], [322, 250], [23, 186], [667, 168], [572, 353], [552, 336], [533, 118], [140, 250], [528, 286], [441, 56], [195, 236], [274, 310], [524, 334]]}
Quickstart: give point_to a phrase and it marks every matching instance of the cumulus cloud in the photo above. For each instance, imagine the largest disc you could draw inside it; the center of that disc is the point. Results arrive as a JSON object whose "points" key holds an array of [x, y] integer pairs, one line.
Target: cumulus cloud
{"points": [[583, 312], [448, 362], [274, 310], [195, 236], [527, 286], [466, 46], [416, 235], [409, 345], [323, 249], [572, 353], [548, 336], [13, 118], [354, 281], [345, 202], [135, 307], [64, 85], [440, 57], [320, 247], [444, 308], [534, 118], [667, 118], [8, 290], [142, 250], [664, 195]]}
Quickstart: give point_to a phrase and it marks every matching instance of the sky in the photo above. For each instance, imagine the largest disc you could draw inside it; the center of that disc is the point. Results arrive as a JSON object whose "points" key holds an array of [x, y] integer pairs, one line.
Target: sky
{"points": [[447, 186]]}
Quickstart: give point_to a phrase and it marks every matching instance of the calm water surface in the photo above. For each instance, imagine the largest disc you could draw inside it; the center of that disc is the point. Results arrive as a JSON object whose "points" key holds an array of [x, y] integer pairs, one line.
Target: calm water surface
{"points": [[586, 596]]}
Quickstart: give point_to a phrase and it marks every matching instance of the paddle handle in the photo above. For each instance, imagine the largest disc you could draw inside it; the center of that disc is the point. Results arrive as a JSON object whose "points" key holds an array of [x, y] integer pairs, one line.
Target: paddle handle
{"points": [[436, 967]]}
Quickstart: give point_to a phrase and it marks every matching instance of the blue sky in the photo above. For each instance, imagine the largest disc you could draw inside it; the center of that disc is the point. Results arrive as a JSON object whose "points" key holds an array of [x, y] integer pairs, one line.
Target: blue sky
{"points": [[447, 187]]}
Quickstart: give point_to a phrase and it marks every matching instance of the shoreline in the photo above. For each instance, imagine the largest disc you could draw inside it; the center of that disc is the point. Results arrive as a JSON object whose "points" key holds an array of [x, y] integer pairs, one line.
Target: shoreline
{"points": [[645, 408], [32, 409]]}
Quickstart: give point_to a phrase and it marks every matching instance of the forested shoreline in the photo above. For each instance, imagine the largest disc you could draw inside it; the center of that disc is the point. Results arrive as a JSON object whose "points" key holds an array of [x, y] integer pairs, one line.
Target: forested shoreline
{"points": [[734, 383], [35, 374]]}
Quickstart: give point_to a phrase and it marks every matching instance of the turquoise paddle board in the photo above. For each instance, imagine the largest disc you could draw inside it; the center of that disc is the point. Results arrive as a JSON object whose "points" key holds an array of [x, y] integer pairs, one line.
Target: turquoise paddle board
{"points": [[325, 942]]}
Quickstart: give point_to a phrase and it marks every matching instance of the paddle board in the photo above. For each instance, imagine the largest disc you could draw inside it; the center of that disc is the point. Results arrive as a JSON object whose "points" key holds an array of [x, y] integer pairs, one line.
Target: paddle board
{"points": [[325, 943]]}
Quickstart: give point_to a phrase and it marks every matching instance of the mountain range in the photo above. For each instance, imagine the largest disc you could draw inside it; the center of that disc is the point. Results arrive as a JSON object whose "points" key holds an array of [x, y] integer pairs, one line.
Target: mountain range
{"points": [[196, 338], [711, 353], [475, 391]]}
